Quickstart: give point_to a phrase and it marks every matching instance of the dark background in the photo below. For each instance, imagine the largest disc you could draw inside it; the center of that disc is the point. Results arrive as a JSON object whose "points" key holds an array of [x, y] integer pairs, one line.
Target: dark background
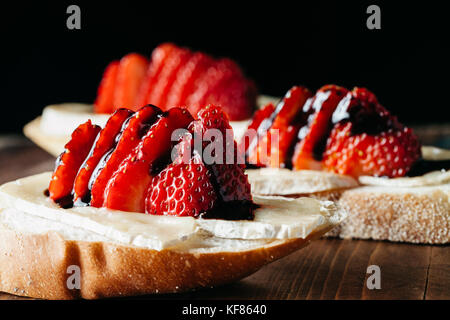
{"points": [[278, 44]]}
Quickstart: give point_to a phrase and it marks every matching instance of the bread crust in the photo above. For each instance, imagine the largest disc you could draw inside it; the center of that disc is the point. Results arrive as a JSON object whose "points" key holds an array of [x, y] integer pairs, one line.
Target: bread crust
{"points": [[35, 265], [406, 216]]}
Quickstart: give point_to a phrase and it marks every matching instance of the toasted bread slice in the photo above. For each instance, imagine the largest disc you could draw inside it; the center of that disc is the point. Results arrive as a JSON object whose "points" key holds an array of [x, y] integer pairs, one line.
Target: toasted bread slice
{"points": [[122, 253], [415, 210]]}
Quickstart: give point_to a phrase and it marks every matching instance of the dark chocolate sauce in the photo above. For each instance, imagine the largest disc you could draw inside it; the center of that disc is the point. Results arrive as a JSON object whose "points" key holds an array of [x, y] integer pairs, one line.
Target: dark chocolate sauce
{"points": [[65, 202], [421, 167], [232, 210]]}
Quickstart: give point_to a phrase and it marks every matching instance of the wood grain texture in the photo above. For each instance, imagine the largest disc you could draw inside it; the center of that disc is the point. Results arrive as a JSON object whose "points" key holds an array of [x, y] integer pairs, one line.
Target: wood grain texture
{"points": [[326, 269]]}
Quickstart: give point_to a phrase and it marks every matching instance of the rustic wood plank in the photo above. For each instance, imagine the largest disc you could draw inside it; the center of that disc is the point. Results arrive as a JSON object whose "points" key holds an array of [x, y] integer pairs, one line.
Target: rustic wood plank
{"points": [[404, 271], [353, 282], [438, 286]]}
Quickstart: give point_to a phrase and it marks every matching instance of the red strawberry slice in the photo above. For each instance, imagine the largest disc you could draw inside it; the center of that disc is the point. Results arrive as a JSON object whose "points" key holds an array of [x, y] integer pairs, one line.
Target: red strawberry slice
{"points": [[368, 140], [186, 79], [220, 71], [214, 118], [288, 117], [69, 162], [182, 189], [158, 60], [126, 189], [228, 178], [132, 71], [104, 102], [390, 153], [232, 182], [225, 70], [313, 136], [235, 95], [167, 76], [250, 135], [104, 143], [135, 128]]}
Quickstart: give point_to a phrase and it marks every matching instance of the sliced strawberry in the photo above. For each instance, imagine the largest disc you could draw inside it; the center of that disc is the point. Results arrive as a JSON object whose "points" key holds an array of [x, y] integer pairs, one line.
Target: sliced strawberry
{"points": [[287, 119], [104, 103], [220, 71], [250, 135], [132, 71], [135, 128], [105, 141], [313, 136], [232, 182], [127, 187], [389, 153], [368, 140], [213, 117], [182, 189], [174, 62], [236, 96], [158, 60], [228, 178], [186, 78], [69, 162]]}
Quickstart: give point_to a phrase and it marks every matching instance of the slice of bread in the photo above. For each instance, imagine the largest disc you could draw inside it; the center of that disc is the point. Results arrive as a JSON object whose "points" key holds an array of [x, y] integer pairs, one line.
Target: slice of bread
{"points": [[123, 254], [415, 210]]}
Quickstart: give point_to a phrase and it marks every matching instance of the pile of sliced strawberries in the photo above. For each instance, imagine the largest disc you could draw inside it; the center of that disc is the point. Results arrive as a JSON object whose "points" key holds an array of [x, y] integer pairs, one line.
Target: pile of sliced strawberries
{"points": [[128, 166], [176, 77], [347, 132]]}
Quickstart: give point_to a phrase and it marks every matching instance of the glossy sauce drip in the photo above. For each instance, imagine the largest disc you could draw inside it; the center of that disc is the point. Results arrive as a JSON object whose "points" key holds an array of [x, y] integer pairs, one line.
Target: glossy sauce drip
{"points": [[371, 122], [65, 202]]}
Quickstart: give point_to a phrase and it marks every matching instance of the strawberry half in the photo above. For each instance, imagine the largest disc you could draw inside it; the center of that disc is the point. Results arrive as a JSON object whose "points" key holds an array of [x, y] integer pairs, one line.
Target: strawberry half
{"points": [[104, 103], [126, 190], [134, 129], [368, 140], [313, 136], [132, 71], [229, 179], [105, 141], [69, 162], [182, 189]]}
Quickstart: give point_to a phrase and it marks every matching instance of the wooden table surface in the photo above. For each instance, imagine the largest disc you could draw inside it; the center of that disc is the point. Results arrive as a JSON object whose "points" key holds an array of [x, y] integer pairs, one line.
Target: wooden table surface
{"points": [[326, 269]]}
